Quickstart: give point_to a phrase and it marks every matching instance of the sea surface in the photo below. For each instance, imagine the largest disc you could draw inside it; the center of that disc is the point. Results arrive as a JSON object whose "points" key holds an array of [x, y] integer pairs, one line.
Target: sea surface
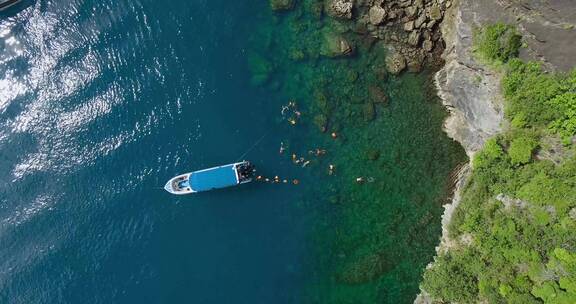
{"points": [[101, 102]]}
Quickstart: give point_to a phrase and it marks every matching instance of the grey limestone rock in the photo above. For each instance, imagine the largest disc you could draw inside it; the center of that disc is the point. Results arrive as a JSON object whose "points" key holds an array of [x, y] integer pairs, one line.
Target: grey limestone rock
{"points": [[395, 63], [340, 8], [376, 14]]}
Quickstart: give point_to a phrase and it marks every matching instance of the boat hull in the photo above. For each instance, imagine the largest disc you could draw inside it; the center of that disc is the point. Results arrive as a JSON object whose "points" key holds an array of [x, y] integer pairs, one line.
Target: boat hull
{"points": [[210, 179], [8, 3]]}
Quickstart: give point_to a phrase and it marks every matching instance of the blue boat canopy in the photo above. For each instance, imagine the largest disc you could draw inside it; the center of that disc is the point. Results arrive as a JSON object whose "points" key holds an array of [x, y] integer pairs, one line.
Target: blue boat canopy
{"points": [[213, 178]]}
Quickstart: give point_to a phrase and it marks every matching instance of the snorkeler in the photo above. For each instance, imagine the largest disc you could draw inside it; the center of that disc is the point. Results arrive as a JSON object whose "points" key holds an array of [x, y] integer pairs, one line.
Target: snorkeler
{"points": [[360, 180], [282, 148], [306, 163], [331, 169]]}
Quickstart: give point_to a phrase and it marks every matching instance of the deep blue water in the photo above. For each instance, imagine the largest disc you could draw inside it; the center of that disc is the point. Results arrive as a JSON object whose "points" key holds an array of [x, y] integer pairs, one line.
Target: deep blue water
{"points": [[100, 103]]}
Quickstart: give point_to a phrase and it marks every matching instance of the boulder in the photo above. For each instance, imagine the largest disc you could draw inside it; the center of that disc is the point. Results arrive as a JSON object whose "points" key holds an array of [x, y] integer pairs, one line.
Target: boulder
{"points": [[428, 45], [281, 5], [411, 11], [377, 95], [376, 14], [340, 8], [414, 64], [335, 45], [395, 63], [414, 38], [409, 26], [405, 3], [420, 21], [435, 12]]}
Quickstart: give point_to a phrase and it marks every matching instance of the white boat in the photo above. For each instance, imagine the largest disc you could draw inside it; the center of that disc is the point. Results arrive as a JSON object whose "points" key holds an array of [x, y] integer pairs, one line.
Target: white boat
{"points": [[211, 178], [4, 4]]}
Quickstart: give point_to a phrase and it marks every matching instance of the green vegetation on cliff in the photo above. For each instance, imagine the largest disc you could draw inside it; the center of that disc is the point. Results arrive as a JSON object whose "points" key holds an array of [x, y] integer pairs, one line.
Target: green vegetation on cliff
{"points": [[497, 43], [514, 228]]}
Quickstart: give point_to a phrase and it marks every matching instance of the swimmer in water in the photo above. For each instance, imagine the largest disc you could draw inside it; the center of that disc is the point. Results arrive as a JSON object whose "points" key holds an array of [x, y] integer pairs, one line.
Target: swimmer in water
{"points": [[306, 163], [282, 149], [284, 109], [360, 180], [331, 169], [320, 152]]}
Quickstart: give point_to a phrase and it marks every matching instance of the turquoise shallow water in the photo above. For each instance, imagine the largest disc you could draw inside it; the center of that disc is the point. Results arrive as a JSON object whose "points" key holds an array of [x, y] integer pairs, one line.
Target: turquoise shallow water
{"points": [[102, 101]]}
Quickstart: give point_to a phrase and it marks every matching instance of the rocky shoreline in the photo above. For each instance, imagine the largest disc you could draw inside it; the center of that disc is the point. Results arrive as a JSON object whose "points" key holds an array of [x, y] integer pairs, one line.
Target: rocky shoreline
{"points": [[409, 28], [470, 90]]}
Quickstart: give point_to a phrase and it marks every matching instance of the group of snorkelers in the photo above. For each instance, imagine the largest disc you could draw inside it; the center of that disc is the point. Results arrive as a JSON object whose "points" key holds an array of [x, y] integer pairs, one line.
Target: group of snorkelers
{"points": [[290, 113]]}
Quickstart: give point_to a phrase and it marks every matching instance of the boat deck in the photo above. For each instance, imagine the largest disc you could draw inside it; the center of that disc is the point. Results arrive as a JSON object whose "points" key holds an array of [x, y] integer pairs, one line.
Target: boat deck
{"points": [[213, 178]]}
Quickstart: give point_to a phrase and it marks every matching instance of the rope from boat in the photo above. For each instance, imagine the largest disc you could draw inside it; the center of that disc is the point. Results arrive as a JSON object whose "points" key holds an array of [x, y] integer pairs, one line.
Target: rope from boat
{"points": [[254, 146]]}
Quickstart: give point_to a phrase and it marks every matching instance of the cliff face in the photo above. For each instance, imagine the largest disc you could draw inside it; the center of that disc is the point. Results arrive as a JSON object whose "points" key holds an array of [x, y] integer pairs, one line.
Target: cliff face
{"points": [[468, 89], [471, 90]]}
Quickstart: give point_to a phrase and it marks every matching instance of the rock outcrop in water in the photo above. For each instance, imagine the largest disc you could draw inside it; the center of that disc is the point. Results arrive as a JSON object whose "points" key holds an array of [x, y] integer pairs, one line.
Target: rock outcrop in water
{"points": [[410, 28]]}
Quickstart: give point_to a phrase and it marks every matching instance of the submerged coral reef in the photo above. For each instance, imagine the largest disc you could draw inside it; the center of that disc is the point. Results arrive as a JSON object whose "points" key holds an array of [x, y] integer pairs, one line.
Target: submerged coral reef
{"points": [[386, 172]]}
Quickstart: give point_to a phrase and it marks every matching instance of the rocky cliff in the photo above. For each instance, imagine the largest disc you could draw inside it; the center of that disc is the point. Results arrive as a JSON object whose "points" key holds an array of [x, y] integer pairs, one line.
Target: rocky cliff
{"points": [[471, 90]]}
